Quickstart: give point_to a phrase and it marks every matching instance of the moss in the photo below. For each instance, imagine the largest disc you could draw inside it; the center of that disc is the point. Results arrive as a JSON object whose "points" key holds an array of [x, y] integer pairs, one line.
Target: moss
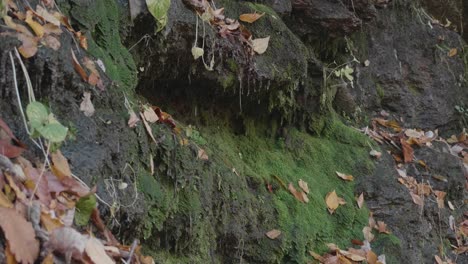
{"points": [[389, 245], [100, 21], [413, 89]]}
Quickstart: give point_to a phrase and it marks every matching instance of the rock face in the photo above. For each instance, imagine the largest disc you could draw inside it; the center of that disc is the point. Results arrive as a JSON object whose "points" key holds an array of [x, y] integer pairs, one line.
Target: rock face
{"points": [[264, 120]]}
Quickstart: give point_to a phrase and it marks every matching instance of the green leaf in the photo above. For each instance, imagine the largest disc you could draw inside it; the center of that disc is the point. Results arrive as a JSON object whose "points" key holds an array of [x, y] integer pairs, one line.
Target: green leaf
{"points": [[197, 52], [37, 114], [54, 132], [347, 71], [84, 208], [159, 8]]}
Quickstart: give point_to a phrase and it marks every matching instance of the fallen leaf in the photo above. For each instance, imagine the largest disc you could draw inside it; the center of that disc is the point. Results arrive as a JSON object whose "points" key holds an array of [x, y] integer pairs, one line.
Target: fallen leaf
{"points": [[4, 201], [250, 18], [82, 40], [360, 200], [202, 154], [18, 27], [417, 199], [297, 194], [451, 205], [303, 186], [52, 29], [68, 242], [317, 257], [60, 166], [47, 16], [49, 259], [440, 178], [148, 128], [408, 152], [273, 234], [343, 260], [332, 201], [133, 120], [440, 195], [150, 115], [438, 260], [78, 68], [35, 26], [260, 45], [374, 153], [50, 223], [371, 257], [20, 195], [28, 47], [353, 255], [382, 227], [367, 232], [20, 236], [86, 105], [52, 42], [453, 52], [345, 176], [95, 251], [10, 258]]}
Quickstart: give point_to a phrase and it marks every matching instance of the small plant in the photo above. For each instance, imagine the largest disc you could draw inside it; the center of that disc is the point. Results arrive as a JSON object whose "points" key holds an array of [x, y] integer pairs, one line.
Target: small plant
{"points": [[43, 123]]}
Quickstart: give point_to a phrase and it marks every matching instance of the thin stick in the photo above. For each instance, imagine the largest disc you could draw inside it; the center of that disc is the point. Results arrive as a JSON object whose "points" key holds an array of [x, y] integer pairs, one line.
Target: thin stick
{"points": [[17, 94], [31, 96], [40, 176]]}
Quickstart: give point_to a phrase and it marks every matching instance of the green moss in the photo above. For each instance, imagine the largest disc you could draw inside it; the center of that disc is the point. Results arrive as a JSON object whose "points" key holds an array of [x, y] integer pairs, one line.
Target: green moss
{"points": [[413, 89], [389, 245], [100, 21]]}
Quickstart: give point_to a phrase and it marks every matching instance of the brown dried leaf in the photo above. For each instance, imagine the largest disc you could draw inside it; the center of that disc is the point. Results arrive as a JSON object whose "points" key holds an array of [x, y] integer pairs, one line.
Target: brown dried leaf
{"points": [[133, 120], [78, 68], [52, 42], [18, 27], [4, 201], [382, 227], [148, 128], [49, 223], [260, 45], [317, 257], [273, 234], [250, 18], [68, 241], [10, 258], [371, 257], [20, 236], [86, 105], [60, 166], [360, 200], [297, 194], [28, 47], [19, 194], [332, 201], [42, 12], [303, 186], [150, 115], [408, 152], [202, 154], [367, 231], [354, 254], [345, 176], [417, 199], [52, 29], [95, 251]]}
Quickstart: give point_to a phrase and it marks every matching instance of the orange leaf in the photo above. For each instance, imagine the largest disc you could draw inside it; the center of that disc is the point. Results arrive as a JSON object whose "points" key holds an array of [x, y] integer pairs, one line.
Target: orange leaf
{"points": [[78, 68], [408, 152], [250, 18], [453, 52], [28, 47], [50, 223], [299, 195], [20, 236], [273, 234], [35, 26], [371, 257], [345, 176], [60, 166]]}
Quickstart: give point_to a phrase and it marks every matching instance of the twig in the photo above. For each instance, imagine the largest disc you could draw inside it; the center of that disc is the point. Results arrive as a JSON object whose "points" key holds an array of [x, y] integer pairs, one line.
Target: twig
{"points": [[40, 176], [132, 251]]}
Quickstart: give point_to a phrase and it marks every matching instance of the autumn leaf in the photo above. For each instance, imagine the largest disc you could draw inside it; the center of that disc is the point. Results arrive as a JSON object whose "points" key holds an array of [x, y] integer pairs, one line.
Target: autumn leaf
{"points": [[299, 195], [78, 68], [452, 52], [367, 232], [18, 27], [50, 223], [333, 201], [148, 128], [345, 176], [20, 235], [371, 257], [353, 254], [260, 45], [304, 186], [68, 241], [28, 47], [382, 227], [42, 12], [35, 26], [408, 152], [202, 154], [60, 166], [95, 251], [417, 199], [4, 201], [250, 18], [317, 257], [150, 115], [82, 40], [360, 200], [374, 153], [133, 119], [52, 42], [273, 234], [86, 105], [440, 198]]}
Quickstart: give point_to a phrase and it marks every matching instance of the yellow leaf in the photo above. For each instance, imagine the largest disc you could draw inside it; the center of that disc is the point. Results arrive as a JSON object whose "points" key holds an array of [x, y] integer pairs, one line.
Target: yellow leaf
{"points": [[4, 201], [36, 27], [50, 223], [332, 201], [345, 177], [250, 18], [453, 52]]}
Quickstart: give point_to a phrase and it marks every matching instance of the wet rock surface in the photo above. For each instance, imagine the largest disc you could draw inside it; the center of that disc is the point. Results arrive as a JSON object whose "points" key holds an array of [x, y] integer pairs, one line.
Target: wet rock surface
{"points": [[410, 75]]}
